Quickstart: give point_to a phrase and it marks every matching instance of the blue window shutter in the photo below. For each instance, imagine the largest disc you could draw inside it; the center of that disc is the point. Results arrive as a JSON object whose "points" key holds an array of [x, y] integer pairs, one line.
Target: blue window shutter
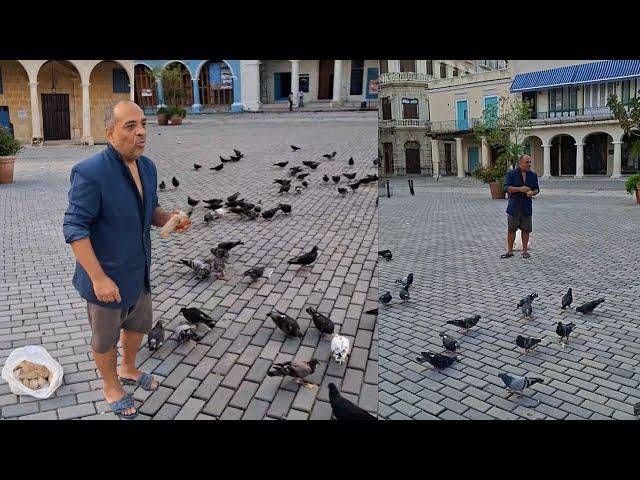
{"points": [[120, 81]]}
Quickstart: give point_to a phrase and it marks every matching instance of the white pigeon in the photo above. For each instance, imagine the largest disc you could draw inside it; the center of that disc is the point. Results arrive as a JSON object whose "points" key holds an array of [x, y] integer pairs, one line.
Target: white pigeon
{"points": [[340, 348], [517, 245], [219, 213]]}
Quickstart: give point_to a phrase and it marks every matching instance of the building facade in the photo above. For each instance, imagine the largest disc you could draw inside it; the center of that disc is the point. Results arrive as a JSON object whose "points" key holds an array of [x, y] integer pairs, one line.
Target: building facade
{"points": [[61, 100], [426, 122], [254, 85], [427, 111]]}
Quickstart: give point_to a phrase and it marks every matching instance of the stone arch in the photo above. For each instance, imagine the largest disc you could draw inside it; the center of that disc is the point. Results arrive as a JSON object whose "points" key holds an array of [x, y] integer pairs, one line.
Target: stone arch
{"points": [[216, 92], [104, 89], [15, 109], [533, 146], [597, 159], [563, 154], [186, 87]]}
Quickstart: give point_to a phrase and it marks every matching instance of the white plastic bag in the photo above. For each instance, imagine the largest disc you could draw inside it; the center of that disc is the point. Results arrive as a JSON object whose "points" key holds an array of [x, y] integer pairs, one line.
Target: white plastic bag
{"points": [[33, 354], [517, 245]]}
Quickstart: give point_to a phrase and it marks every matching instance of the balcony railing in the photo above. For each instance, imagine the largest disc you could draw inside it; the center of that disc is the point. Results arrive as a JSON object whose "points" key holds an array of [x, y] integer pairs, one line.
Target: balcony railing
{"points": [[404, 77], [403, 123], [572, 115], [450, 126]]}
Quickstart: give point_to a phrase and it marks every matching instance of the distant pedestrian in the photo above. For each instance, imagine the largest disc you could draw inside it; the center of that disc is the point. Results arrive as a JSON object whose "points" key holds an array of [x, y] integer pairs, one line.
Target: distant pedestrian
{"points": [[300, 99], [290, 101]]}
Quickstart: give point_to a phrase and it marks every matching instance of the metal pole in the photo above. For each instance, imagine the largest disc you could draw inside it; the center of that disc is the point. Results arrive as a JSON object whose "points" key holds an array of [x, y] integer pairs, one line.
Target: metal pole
{"points": [[388, 190]]}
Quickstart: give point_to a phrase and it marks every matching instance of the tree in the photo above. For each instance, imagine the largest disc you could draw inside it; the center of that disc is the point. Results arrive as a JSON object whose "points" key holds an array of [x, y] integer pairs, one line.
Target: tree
{"points": [[629, 117], [171, 83], [504, 128]]}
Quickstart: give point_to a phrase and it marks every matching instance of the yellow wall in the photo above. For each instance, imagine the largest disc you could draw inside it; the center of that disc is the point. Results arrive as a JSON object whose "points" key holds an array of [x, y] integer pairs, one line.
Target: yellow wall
{"points": [[101, 96], [67, 80], [16, 96]]}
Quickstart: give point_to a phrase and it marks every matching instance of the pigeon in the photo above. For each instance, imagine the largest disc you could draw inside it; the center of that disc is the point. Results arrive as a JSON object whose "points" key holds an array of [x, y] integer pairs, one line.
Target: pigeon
{"points": [[567, 299], [155, 337], [208, 217], [285, 323], [305, 184], [589, 306], [162, 186], [196, 316], [218, 168], [310, 164], [369, 179], [527, 299], [376, 161], [225, 160], [306, 258], [298, 189], [294, 148], [255, 272], [437, 360], [385, 297], [284, 188], [281, 164], [404, 294], [353, 186], [449, 343], [229, 245], [527, 309], [321, 321], [219, 212], [564, 331], [215, 206], [202, 269], [282, 181], [192, 202], [196, 166], [342, 190], [329, 155], [293, 171], [636, 409], [373, 311], [268, 214], [220, 253], [340, 348], [302, 176], [297, 370], [187, 332], [284, 207], [335, 178], [386, 254], [175, 182], [325, 178], [218, 265], [515, 383], [313, 165], [238, 153], [406, 281], [214, 201], [344, 409], [527, 343], [350, 176], [351, 162], [465, 323], [190, 212], [234, 197]]}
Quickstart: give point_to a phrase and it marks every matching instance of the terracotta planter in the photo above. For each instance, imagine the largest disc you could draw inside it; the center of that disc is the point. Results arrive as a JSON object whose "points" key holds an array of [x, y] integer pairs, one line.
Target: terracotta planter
{"points": [[163, 119], [176, 119], [637, 195], [497, 192], [6, 169]]}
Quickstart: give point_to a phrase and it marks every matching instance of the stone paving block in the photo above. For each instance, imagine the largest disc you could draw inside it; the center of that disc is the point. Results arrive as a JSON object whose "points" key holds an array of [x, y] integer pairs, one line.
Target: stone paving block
{"points": [[76, 411], [155, 401], [218, 401]]}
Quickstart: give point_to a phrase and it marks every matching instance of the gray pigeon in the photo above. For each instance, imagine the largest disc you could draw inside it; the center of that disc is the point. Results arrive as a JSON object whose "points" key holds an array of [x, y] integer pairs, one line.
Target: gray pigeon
{"points": [[515, 383], [255, 272], [406, 281], [201, 268], [187, 332], [449, 343], [155, 338], [567, 300], [404, 294], [321, 321], [285, 323], [563, 331], [527, 309], [297, 370], [589, 306], [385, 297], [527, 342]]}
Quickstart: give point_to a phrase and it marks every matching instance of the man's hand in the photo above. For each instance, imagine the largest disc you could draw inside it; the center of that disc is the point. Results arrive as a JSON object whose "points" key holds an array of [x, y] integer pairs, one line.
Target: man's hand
{"points": [[106, 290], [184, 224], [525, 189], [530, 194]]}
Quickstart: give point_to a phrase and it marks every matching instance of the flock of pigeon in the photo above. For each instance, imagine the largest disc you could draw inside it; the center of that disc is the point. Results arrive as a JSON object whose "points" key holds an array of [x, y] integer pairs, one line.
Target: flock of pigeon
{"points": [[513, 383], [196, 319]]}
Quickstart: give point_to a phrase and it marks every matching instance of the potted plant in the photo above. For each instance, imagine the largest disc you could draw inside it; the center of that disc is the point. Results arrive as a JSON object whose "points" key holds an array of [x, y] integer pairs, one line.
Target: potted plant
{"points": [[162, 114], [633, 185], [494, 176], [176, 114], [9, 147]]}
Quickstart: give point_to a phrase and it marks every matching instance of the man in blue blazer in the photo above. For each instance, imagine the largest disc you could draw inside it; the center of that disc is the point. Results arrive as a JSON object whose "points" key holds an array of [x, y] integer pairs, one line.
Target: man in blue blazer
{"points": [[112, 204]]}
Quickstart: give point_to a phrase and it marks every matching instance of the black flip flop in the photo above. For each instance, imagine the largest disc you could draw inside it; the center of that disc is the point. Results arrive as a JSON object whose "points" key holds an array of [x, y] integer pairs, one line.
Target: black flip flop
{"points": [[506, 255], [526, 255]]}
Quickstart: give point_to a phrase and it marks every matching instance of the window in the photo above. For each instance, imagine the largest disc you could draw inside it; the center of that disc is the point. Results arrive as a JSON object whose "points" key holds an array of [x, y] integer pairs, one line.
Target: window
{"points": [[410, 108], [443, 70], [384, 66], [120, 81], [386, 108], [303, 83], [563, 102], [626, 91], [455, 71], [407, 65], [357, 74], [430, 67]]}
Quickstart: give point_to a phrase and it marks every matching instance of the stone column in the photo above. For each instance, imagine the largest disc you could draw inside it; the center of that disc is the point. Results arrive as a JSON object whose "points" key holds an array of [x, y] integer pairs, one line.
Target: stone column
{"points": [[36, 124], [195, 108], [337, 84], [435, 157], [617, 159], [160, 92], [87, 139], [579, 160], [486, 153], [546, 160], [459, 161], [250, 84], [295, 80]]}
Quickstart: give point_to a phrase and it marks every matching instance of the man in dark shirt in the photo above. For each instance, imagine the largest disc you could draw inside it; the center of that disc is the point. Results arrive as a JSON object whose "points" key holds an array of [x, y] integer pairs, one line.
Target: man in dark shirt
{"points": [[522, 185]]}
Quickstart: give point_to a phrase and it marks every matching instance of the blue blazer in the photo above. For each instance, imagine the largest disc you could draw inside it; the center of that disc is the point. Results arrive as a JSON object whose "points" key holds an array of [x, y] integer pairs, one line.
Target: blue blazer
{"points": [[105, 206], [519, 202]]}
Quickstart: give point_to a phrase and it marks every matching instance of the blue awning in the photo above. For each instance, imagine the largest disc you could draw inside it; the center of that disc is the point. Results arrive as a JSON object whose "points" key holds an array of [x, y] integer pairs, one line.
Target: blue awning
{"points": [[554, 77], [594, 72]]}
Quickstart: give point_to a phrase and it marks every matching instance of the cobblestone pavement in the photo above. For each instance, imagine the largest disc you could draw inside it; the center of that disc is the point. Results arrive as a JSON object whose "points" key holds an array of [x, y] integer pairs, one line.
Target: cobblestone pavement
{"points": [[224, 375], [451, 238]]}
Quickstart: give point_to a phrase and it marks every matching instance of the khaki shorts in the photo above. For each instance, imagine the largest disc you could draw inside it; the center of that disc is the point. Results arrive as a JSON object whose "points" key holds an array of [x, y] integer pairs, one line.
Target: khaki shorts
{"points": [[519, 221], [107, 322]]}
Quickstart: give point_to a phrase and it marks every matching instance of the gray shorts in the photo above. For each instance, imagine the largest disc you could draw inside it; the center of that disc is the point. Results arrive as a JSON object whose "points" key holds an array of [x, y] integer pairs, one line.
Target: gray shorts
{"points": [[519, 221], [107, 322]]}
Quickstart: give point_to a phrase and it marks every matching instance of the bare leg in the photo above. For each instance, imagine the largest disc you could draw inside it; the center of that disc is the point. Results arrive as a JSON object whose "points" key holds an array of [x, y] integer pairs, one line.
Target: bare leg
{"points": [[111, 387], [130, 345], [525, 241], [511, 238]]}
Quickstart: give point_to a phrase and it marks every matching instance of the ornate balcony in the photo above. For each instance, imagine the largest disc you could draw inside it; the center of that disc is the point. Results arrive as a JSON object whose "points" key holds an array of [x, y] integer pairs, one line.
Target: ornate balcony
{"points": [[398, 77]]}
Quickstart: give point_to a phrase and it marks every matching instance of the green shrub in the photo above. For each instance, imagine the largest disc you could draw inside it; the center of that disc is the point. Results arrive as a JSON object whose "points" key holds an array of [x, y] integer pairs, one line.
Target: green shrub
{"points": [[632, 183], [9, 146], [162, 111]]}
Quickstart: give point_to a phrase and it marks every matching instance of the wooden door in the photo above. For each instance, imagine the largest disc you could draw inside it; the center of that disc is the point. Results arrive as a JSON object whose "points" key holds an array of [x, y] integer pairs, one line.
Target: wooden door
{"points": [[413, 161], [55, 116], [325, 80]]}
